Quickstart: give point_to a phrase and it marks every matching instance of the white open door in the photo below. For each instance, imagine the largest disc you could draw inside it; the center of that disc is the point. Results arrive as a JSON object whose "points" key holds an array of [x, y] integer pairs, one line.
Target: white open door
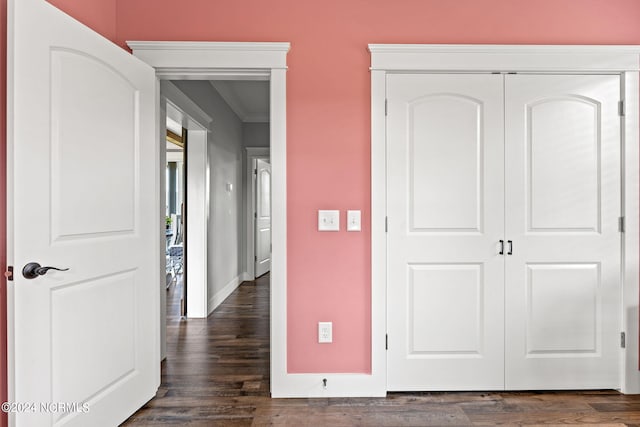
{"points": [[83, 158], [263, 217]]}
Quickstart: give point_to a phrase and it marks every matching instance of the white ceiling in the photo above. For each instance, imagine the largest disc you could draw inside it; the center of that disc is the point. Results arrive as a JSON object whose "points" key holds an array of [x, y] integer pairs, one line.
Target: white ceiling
{"points": [[248, 99]]}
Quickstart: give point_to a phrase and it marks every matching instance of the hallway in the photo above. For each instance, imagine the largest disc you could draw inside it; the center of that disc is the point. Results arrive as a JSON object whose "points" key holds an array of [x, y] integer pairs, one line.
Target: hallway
{"points": [[217, 374]]}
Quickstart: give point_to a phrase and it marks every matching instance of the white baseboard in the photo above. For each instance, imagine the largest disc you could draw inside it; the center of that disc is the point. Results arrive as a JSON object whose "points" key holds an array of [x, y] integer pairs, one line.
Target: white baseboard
{"points": [[337, 385], [219, 297], [245, 277]]}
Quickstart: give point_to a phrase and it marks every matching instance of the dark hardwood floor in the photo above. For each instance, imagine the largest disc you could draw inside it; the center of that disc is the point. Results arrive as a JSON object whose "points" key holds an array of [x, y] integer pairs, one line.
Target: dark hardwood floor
{"points": [[217, 374]]}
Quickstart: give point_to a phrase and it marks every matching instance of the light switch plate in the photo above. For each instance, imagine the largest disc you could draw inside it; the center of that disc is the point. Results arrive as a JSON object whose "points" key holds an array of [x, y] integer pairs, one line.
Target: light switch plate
{"points": [[329, 220], [353, 220]]}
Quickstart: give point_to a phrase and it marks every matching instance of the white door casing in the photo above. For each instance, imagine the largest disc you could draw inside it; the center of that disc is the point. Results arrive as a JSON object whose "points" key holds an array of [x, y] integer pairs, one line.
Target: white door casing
{"points": [[83, 193], [262, 217], [256, 61], [445, 210], [563, 201], [560, 59]]}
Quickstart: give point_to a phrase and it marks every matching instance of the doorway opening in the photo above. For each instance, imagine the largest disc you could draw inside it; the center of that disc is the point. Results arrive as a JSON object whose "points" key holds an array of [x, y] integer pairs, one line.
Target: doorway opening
{"points": [[222, 162], [254, 62], [175, 201]]}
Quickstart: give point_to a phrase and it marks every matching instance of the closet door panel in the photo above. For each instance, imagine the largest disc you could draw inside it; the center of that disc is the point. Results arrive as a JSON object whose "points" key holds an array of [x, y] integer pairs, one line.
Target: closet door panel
{"points": [[445, 206], [563, 283]]}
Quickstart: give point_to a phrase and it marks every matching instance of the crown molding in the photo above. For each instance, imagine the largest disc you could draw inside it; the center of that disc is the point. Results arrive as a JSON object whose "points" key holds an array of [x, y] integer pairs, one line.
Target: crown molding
{"points": [[167, 57], [222, 46], [501, 48], [533, 58], [256, 118], [230, 97]]}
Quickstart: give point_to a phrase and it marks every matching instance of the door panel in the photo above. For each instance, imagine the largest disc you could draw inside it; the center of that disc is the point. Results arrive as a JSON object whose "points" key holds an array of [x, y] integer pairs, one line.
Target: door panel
{"points": [[76, 77], [455, 119], [445, 211], [567, 322], [74, 375], [562, 202], [263, 217], [563, 142], [83, 159], [445, 310]]}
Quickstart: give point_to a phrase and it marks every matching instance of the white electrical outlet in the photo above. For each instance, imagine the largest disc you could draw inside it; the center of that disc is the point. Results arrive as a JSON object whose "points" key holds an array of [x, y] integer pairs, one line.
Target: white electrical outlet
{"points": [[325, 332]]}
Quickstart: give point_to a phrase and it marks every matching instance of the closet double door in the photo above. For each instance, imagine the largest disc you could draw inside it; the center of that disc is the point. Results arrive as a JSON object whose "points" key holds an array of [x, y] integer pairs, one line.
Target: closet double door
{"points": [[503, 242]]}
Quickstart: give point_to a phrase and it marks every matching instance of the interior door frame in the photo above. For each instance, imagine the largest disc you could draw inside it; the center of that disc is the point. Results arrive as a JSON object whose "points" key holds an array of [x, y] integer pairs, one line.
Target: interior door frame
{"points": [[556, 59], [252, 154], [245, 61]]}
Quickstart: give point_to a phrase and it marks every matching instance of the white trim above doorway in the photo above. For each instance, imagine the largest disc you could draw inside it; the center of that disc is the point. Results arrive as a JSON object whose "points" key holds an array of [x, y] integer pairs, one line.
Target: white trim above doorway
{"points": [[623, 60], [245, 61]]}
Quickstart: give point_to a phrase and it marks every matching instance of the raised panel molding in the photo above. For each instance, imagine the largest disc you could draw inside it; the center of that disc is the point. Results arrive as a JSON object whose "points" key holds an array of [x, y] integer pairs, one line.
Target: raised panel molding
{"points": [[449, 298], [74, 76], [449, 150], [566, 296], [556, 204], [110, 314]]}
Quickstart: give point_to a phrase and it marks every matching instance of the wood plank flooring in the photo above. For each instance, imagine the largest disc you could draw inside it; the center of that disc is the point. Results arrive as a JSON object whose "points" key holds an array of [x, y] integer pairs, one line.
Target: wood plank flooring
{"points": [[217, 374]]}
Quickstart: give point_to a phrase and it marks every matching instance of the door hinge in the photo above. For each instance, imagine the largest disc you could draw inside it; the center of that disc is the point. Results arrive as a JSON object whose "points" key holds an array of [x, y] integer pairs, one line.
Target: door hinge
{"points": [[621, 224], [386, 110], [386, 341], [621, 108], [386, 224], [255, 258], [9, 273], [255, 214], [623, 340], [255, 172]]}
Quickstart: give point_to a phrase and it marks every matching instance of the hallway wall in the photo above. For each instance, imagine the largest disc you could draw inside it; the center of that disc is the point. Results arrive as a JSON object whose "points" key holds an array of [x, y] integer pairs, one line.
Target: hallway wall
{"points": [[225, 152]]}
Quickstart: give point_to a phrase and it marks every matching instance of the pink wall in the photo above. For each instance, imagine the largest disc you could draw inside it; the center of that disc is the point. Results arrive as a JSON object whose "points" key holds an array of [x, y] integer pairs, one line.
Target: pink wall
{"points": [[328, 118], [99, 15], [328, 107]]}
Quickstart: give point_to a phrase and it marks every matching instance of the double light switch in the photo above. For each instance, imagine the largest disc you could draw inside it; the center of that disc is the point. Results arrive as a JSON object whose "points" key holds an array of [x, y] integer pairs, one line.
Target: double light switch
{"points": [[329, 220]]}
